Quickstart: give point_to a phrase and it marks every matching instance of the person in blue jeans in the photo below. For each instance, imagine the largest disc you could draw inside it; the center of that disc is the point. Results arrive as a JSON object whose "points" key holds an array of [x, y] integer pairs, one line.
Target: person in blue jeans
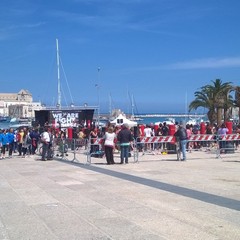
{"points": [[11, 137], [125, 138], [181, 134], [3, 142]]}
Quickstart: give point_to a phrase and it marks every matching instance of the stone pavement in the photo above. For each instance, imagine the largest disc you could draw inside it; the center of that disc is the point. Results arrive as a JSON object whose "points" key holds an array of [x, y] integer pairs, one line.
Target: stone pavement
{"points": [[156, 198]]}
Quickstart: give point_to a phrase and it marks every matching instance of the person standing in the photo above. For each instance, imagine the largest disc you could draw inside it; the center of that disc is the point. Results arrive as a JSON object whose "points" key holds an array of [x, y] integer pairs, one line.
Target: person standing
{"points": [[20, 141], [11, 137], [222, 132], [165, 132], [45, 139], [189, 133], [1, 143], [94, 136], [165, 129], [148, 132], [125, 138], [181, 134], [109, 144], [4, 142], [35, 136], [26, 143]]}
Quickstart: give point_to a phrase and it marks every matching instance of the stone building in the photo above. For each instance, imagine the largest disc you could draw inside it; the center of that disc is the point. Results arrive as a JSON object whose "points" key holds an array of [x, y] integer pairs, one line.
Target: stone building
{"points": [[19, 105]]}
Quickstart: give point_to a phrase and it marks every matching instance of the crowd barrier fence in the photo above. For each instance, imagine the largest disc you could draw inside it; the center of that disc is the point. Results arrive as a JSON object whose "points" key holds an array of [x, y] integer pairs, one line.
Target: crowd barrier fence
{"points": [[61, 147], [94, 147], [219, 144], [168, 144], [155, 144]]}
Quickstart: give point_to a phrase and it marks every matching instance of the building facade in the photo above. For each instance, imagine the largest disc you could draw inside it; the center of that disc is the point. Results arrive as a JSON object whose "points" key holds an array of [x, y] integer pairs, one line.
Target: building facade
{"points": [[18, 105]]}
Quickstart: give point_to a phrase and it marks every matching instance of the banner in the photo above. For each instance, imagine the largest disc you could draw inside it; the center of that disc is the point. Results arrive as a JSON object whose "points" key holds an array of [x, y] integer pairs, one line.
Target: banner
{"points": [[64, 119]]}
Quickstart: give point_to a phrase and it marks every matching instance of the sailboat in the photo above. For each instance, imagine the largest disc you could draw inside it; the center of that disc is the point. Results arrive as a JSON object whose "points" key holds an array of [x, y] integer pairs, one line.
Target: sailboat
{"points": [[65, 116], [59, 89], [133, 117]]}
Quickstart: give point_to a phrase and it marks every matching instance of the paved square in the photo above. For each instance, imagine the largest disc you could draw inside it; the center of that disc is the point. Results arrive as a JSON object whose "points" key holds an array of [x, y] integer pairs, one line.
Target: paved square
{"points": [[156, 198]]}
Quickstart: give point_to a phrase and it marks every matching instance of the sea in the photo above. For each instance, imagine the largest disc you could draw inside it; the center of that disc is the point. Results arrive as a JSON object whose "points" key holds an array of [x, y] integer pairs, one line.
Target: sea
{"points": [[4, 125]]}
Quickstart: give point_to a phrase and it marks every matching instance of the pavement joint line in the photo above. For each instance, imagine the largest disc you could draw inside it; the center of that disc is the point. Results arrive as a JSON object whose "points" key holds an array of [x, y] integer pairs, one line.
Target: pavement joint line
{"points": [[183, 191]]}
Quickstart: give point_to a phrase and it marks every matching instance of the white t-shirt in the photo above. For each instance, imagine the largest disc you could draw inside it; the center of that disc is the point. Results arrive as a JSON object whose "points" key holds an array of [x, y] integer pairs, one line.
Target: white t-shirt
{"points": [[45, 137], [148, 132], [109, 139]]}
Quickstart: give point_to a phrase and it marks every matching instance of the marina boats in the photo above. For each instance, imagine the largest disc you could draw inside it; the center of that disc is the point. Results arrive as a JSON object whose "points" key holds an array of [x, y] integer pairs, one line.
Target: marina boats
{"points": [[4, 119], [189, 120], [168, 121], [20, 122], [7, 122], [194, 121]]}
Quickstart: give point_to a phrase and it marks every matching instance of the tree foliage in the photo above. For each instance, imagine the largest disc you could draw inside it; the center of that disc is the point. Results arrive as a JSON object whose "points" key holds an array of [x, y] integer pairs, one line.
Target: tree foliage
{"points": [[215, 97]]}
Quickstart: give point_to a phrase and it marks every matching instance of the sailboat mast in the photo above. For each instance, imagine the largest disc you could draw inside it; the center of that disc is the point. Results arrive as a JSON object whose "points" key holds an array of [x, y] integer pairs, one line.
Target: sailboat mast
{"points": [[110, 105], [186, 107], [58, 75], [132, 106]]}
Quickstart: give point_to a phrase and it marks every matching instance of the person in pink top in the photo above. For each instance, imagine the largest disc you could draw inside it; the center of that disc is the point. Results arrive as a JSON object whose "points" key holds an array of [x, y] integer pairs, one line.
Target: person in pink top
{"points": [[189, 133], [222, 131]]}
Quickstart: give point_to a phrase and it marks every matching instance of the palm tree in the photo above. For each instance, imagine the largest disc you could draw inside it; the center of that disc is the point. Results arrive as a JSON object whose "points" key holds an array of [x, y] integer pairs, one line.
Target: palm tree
{"points": [[215, 98], [237, 99], [221, 97], [204, 98], [228, 104]]}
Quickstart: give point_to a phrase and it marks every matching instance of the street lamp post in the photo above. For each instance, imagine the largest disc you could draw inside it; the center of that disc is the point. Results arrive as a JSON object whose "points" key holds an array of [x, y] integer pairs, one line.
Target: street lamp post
{"points": [[98, 92]]}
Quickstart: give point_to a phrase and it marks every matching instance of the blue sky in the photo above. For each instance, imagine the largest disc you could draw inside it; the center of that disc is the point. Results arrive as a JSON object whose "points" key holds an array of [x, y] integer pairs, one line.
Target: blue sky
{"points": [[158, 51]]}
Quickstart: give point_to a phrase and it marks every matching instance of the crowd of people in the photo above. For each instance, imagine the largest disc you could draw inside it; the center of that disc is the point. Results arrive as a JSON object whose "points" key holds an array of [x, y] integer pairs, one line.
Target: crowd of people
{"points": [[25, 141]]}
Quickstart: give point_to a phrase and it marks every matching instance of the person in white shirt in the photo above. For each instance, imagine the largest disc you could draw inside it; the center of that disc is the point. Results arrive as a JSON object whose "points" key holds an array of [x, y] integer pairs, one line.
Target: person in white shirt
{"points": [[45, 139], [148, 132], [109, 145]]}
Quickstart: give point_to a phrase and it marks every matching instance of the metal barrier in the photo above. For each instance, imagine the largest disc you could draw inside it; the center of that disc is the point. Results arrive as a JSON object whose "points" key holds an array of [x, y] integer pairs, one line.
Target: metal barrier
{"points": [[161, 144], [198, 142], [78, 145], [168, 144], [61, 147], [96, 148], [164, 144], [221, 144], [227, 144]]}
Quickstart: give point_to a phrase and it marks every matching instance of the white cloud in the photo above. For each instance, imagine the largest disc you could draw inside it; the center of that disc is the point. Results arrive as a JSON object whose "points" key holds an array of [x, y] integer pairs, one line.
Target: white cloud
{"points": [[206, 63], [33, 25]]}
